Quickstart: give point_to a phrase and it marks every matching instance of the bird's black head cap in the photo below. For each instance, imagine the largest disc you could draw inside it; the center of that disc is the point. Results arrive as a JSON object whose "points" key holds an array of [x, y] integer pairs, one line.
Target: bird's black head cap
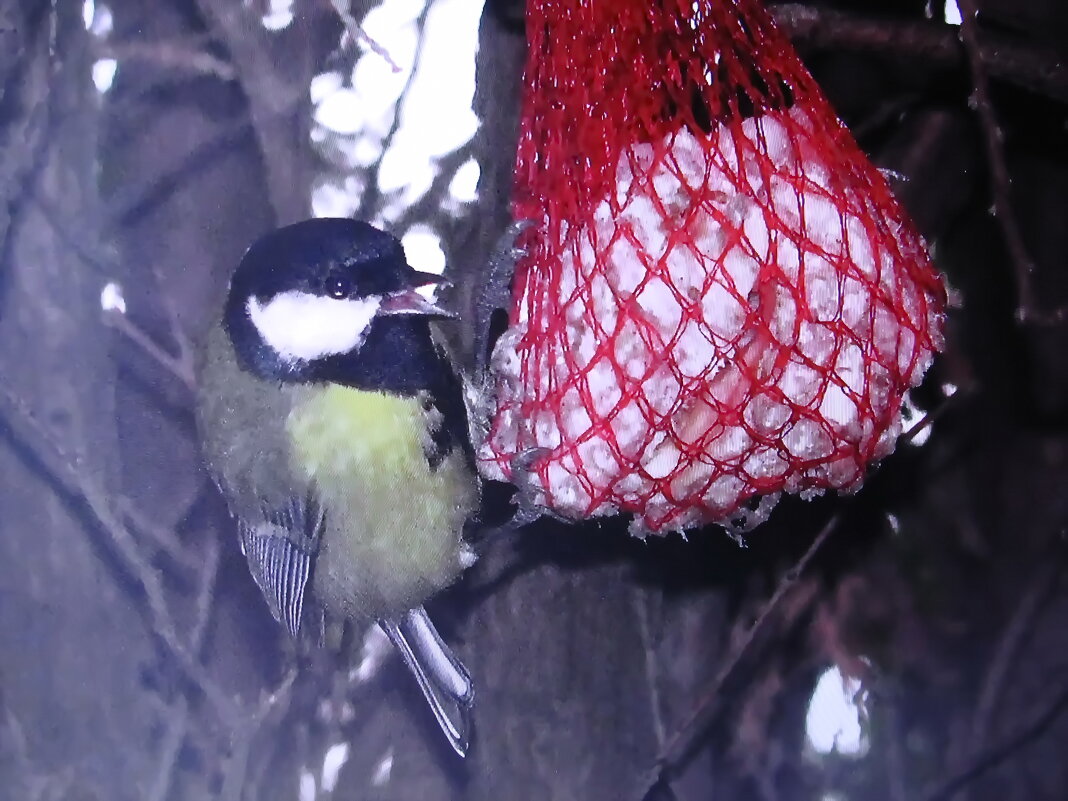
{"points": [[308, 255], [308, 280]]}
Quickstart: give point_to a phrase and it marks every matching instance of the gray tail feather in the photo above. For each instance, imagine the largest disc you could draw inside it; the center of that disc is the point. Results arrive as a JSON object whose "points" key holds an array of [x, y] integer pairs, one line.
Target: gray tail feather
{"points": [[442, 677]]}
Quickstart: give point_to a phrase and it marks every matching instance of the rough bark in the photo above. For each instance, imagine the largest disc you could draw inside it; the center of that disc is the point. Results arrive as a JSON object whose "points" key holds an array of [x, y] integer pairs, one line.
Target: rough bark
{"points": [[73, 645]]}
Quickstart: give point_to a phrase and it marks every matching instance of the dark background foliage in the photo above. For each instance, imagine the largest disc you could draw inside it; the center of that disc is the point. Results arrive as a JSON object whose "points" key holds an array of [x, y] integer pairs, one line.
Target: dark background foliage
{"points": [[137, 660]]}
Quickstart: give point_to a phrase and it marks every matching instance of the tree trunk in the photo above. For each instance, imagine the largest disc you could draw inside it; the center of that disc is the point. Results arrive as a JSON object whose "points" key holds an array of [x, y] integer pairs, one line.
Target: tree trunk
{"points": [[72, 644]]}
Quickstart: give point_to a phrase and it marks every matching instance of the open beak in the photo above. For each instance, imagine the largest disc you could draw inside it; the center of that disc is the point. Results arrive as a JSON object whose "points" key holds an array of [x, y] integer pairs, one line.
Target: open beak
{"points": [[426, 279], [409, 301]]}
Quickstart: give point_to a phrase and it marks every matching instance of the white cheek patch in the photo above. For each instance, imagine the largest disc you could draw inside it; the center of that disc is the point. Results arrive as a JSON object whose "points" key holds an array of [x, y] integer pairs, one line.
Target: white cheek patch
{"points": [[300, 326]]}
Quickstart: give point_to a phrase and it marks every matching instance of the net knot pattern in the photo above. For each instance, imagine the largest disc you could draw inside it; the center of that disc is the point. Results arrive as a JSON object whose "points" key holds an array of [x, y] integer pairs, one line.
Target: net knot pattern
{"points": [[722, 300]]}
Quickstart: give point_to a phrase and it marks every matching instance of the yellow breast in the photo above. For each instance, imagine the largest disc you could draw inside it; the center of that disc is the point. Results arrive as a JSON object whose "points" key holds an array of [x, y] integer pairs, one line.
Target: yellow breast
{"points": [[393, 524]]}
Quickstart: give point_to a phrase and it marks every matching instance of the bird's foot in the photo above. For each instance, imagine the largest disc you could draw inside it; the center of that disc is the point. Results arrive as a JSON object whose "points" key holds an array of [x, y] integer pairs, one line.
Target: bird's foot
{"points": [[497, 290], [529, 498]]}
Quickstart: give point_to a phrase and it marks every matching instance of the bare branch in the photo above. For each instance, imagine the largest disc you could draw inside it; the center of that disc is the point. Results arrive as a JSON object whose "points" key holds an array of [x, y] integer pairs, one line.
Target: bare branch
{"points": [[179, 56], [180, 367], [133, 201], [177, 721], [177, 716], [930, 417], [205, 602], [78, 483], [24, 135], [1000, 180], [355, 31], [273, 706], [1022, 63], [1038, 588], [681, 743], [423, 209], [1046, 713], [372, 195], [275, 89], [161, 536]]}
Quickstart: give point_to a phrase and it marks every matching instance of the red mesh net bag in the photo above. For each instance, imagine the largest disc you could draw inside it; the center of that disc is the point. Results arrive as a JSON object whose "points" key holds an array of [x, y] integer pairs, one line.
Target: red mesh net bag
{"points": [[722, 300]]}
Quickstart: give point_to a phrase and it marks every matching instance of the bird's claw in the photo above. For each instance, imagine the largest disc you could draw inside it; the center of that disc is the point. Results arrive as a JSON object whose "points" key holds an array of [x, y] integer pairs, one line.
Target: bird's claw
{"points": [[497, 290], [529, 499]]}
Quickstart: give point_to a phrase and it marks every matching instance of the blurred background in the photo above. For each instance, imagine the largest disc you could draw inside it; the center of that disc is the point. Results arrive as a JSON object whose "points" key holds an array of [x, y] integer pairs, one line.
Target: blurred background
{"points": [[909, 643]]}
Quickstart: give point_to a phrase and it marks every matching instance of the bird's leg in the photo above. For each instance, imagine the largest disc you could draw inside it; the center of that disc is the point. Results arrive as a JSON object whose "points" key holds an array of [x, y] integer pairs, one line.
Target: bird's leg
{"points": [[527, 498], [496, 292], [442, 677], [529, 506]]}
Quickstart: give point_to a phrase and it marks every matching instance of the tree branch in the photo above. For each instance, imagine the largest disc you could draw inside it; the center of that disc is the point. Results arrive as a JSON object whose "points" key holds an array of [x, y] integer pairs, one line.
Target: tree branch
{"points": [[272, 706], [276, 89], [77, 483], [180, 367], [1038, 589], [1000, 180], [372, 195], [1046, 713], [1006, 58], [162, 537], [178, 714], [179, 56], [681, 743], [356, 33]]}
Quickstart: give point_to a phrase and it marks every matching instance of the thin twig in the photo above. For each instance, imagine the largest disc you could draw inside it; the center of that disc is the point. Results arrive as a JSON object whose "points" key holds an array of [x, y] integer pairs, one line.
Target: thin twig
{"points": [[162, 537], [75, 234], [682, 741], [181, 340], [372, 195], [1000, 180], [179, 367], [1046, 713], [205, 602], [895, 757], [273, 705], [178, 713], [652, 677], [432, 201], [173, 740], [934, 44], [930, 417], [135, 200], [356, 32], [67, 473], [277, 98], [1039, 588], [179, 56]]}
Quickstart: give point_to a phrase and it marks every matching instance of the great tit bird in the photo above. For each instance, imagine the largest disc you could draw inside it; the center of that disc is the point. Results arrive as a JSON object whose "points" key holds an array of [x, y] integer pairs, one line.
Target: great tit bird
{"points": [[334, 424]]}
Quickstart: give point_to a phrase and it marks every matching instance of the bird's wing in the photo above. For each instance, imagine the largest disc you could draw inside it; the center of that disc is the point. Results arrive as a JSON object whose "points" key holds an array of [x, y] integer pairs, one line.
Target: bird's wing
{"points": [[280, 550]]}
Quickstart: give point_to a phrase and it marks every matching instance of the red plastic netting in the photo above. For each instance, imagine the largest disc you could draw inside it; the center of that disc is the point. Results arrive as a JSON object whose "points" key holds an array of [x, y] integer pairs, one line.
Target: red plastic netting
{"points": [[722, 299]]}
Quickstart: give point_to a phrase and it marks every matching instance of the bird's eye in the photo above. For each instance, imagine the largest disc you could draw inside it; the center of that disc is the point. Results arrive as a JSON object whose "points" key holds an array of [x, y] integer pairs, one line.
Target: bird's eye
{"points": [[338, 286]]}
